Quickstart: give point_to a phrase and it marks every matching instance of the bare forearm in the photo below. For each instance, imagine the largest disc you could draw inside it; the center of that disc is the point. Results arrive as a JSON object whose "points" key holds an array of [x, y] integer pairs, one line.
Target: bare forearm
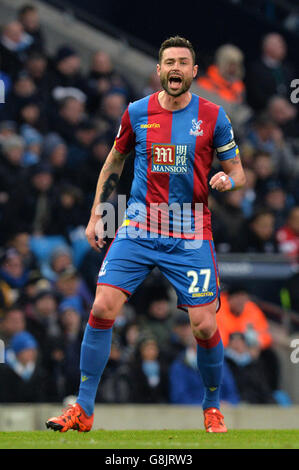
{"points": [[233, 168], [108, 178]]}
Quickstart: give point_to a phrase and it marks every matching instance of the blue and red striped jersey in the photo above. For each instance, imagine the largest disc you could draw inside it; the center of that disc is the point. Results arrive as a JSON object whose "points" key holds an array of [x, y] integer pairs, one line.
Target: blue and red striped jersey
{"points": [[174, 151]]}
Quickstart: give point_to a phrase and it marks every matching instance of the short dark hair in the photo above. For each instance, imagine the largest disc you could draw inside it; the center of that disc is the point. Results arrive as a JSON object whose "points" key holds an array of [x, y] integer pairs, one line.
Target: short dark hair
{"points": [[176, 41], [26, 9]]}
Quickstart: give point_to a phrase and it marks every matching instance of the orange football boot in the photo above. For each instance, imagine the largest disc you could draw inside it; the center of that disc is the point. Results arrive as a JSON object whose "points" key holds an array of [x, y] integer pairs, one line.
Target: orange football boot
{"points": [[214, 420], [73, 417]]}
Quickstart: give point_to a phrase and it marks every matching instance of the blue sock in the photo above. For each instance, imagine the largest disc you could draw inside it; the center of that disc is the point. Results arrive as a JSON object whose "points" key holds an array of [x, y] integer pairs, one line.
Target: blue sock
{"points": [[210, 356], [95, 351]]}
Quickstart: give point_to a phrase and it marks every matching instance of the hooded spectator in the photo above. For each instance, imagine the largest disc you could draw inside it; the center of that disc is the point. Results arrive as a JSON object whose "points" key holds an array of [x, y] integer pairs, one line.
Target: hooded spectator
{"points": [[22, 374]]}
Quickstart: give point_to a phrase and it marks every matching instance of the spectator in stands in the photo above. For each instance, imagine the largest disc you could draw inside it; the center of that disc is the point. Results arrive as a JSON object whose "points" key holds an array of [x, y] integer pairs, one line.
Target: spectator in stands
{"points": [[13, 272], [276, 201], [229, 219], [70, 114], [66, 78], [86, 174], [69, 285], [257, 234], [71, 322], [158, 319], [23, 92], [29, 18], [36, 66], [129, 335], [288, 235], [44, 324], [224, 77], [247, 371], [115, 383], [273, 72], [55, 153], [34, 202], [20, 241], [238, 314], [186, 385], [15, 44], [181, 336], [68, 211], [61, 258], [153, 85], [265, 172], [32, 120], [148, 373], [12, 322], [250, 193], [80, 150], [44, 321], [89, 266], [265, 136], [22, 374], [284, 115], [33, 286], [103, 79], [113, 106], [7, 129], [12, 172]]}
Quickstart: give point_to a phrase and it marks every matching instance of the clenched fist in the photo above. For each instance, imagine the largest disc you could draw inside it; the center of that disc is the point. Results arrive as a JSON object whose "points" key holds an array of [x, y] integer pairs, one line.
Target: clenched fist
{"points": [[220, 182]]}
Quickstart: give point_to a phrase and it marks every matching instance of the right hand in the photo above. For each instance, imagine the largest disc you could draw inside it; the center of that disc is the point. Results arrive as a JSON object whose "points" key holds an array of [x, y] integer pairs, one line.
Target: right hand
{"points": [[94, 233]]}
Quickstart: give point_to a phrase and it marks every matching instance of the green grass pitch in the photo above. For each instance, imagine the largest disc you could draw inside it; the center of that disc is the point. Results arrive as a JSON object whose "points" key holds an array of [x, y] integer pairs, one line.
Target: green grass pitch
{"points": [[162, 439]]}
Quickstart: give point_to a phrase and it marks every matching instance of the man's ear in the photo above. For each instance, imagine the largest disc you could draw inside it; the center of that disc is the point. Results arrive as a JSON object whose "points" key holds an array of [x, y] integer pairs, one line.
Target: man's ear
{"points": [[158, 69], [195, 70]]}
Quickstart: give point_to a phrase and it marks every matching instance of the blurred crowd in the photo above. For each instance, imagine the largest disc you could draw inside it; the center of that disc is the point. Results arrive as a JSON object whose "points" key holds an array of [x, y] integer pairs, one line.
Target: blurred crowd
{"points": [[57, 126]]}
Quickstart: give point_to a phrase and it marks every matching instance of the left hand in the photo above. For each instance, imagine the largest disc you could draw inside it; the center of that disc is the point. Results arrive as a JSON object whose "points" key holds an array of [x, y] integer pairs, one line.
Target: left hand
{"points": [[220, 182]]}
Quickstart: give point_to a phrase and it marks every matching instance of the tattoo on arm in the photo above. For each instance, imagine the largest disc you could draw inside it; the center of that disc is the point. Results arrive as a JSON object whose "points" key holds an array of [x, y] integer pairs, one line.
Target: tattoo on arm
{"points": [[236, 161], [109, 185]]}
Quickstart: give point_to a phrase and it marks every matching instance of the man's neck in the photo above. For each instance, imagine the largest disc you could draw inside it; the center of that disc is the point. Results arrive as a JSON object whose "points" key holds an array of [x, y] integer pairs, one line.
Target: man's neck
{"points": [[174, 103], [272, 63]]}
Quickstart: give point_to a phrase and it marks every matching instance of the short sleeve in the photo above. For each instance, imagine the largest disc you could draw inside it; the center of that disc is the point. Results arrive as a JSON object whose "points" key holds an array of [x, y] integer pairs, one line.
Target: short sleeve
{"points": [[125, 139], [223, 139]]}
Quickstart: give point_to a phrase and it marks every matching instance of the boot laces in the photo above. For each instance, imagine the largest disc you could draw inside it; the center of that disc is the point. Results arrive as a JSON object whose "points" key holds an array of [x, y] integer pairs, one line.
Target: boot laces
{"points": [[214, 418]]}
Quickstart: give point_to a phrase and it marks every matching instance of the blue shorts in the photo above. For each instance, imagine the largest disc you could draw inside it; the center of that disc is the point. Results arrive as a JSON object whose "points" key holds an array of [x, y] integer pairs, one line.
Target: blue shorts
{"points": [[190, 266]]}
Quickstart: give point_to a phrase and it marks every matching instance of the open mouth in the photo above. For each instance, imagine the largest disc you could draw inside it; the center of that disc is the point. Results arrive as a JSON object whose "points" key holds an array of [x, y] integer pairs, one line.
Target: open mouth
{"points": [[175, 81]]}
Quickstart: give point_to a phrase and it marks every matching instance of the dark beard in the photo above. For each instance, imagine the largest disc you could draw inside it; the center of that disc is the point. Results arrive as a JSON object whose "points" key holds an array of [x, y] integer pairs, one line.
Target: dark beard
{"points": [[185, 87]]}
